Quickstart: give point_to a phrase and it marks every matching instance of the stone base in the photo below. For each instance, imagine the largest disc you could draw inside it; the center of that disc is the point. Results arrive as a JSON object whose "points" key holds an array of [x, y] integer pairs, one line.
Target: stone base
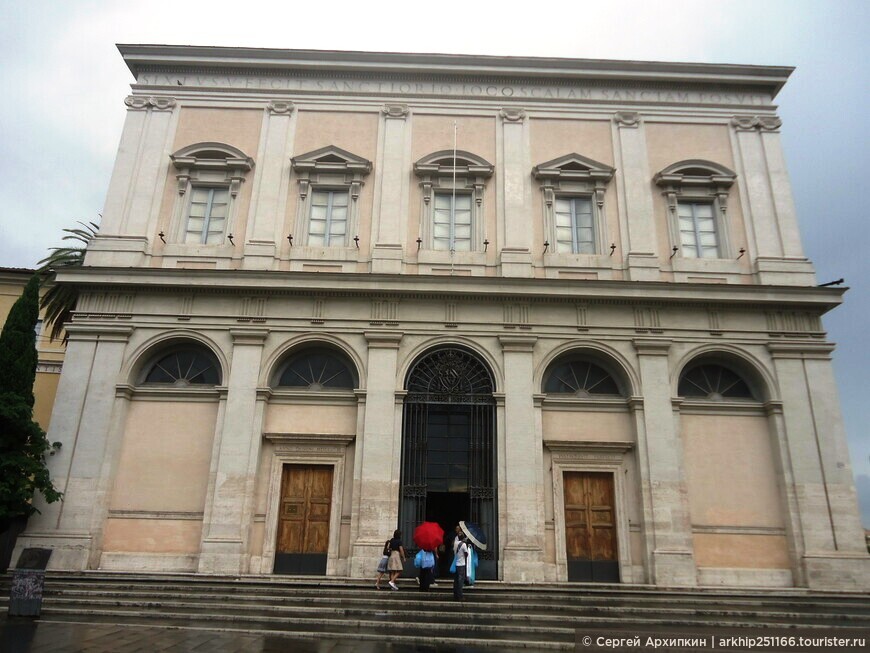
{"points": [[784, 271], [643, 267], [515, 262], [117, 251], [727, 577], [845, 571], [364, 559], [151, 562], [525, 565], [225, 557], [387, 259], [674, 569], [69, 551]]}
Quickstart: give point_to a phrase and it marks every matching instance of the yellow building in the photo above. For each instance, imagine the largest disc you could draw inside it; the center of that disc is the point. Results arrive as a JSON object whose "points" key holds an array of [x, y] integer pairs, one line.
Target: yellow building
{"points": [[50, 353]]}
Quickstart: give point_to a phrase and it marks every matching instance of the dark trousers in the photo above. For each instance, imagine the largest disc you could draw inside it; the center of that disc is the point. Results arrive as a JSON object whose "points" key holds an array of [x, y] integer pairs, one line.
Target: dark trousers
{"points": [[427, 577], [458, 582]]}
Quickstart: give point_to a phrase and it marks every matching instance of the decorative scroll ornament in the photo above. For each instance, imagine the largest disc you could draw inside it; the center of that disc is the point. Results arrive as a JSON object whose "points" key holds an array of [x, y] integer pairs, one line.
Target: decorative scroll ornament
{"points": [[513, 114], [281, 107], [395, 110], [756, 123], [158, 103], [629, 119]]}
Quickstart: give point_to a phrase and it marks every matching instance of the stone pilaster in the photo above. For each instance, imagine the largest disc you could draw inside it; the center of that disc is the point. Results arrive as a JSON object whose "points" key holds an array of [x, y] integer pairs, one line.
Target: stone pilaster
{"points": [[391, 191], [269, 198], [636, 207], [663, 485], [376, 486], [523, 532], [833, 548], [515, 255], [226, 522], [771, 217], [132, 203], [82, 421]]}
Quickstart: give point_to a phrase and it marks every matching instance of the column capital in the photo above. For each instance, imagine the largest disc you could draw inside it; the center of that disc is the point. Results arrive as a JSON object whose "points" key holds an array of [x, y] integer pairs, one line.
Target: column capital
{"points": [[817, 350], [652, 346], [627, 119], [512, 114], [517, 343], [249, 336], [383, 339], [395, 111], [103, 333], [280, 107]]}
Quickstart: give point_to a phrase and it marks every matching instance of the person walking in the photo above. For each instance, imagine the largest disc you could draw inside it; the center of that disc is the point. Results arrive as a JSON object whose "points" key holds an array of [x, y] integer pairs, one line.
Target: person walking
{"points": [[397, 558], [425, 561], [382, 564], [461, 560]]}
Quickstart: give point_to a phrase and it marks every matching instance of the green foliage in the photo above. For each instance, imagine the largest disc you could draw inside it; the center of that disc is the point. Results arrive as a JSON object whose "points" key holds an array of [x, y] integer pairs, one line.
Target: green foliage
{"points": [[23, 445], [59, 301]]}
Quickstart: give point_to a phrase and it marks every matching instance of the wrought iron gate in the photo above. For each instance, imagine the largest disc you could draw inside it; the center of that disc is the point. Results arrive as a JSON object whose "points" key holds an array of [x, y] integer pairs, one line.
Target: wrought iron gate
{"points": [[448, 447]]}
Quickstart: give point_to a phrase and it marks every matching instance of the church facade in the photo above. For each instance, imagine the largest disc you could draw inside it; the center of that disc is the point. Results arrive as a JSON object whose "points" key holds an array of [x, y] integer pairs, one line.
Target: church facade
{"points": [[335, 294]]}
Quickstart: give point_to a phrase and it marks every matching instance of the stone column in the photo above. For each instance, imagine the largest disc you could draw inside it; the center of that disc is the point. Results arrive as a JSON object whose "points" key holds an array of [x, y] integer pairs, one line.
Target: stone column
{"points": [[834, 551], [378, 449], [664, 489], [81, 420], [136, 189], [391, 192], [269, 196], [634, 187], [515, 256], [523, 530], [225, 527]]}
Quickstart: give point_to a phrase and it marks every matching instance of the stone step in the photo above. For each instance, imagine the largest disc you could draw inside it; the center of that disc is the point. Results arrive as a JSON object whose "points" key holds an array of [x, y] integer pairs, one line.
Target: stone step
{"points": [[442, 601], [444, 609]]}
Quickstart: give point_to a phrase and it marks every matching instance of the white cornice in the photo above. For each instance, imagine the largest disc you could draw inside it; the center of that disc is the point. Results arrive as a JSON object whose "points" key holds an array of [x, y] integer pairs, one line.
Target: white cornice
{"points": [[494, 288], [139, 57]]}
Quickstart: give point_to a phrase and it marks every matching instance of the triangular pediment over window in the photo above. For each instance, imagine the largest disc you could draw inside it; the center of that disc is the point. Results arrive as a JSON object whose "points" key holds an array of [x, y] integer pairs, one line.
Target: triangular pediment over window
{"points": [[696, 172], [573, 167], [331, 159]]}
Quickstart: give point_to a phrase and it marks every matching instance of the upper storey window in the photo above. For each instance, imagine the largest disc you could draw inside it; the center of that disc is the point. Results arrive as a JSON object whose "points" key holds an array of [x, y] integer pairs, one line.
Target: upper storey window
{"points": [[184, 365], [209, 177], [697, 196], [714, 382], [573, 187], [330, 181], [453, 189]]}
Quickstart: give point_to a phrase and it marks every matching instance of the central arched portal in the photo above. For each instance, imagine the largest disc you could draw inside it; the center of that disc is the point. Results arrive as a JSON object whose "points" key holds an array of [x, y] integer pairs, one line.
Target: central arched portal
{"points": [[449, 450]]}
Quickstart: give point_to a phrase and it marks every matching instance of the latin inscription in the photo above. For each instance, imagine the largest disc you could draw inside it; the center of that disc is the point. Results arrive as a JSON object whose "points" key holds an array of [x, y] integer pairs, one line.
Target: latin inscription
{"points": [[494, 91]]}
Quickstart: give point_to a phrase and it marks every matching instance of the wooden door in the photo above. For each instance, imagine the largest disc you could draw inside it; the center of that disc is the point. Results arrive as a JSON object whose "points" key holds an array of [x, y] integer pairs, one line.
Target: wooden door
{"points": [[303, 519], [590, 527]]}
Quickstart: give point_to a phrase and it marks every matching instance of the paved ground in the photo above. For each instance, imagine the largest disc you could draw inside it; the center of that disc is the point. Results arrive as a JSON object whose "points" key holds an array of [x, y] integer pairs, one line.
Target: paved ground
{"points": [[21, 635]]}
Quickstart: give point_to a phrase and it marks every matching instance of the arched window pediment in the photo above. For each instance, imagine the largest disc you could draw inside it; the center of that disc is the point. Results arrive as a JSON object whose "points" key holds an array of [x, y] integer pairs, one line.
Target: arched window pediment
{"points": [[695, 173], [211, 163], [443, 164], [181, 366], [317, 369]]}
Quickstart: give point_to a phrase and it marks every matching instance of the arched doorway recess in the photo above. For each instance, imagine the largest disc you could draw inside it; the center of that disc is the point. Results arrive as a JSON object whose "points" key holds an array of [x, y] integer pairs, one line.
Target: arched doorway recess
{"points": [[449, 449]]}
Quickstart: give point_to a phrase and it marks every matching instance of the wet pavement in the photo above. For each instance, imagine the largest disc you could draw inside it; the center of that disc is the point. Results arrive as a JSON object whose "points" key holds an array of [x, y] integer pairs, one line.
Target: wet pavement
{"points": [[22, 635]]}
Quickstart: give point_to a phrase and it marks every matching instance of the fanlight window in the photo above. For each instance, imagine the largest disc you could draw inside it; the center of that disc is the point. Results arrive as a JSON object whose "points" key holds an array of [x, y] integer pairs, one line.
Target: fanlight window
{"points": [[184, 367], [316, 370], [713, 382], [450, 376], [581, 378]]}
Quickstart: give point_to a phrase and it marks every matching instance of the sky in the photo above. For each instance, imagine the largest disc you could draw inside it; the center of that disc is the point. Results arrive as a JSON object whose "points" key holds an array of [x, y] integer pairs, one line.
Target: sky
{"points": [[65, 83]]}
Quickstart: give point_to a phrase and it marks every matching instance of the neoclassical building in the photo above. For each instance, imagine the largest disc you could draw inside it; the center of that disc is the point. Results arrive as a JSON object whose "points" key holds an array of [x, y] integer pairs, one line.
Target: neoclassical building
{"points": [[336, 294]]}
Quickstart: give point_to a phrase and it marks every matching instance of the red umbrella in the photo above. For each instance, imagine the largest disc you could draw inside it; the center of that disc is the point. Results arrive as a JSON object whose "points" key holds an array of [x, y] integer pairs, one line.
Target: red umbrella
{"points": [[428, 535]]}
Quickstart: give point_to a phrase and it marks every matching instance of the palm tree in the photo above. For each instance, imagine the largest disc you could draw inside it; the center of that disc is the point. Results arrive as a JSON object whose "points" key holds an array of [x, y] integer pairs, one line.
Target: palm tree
{"points": [[59, 301]]}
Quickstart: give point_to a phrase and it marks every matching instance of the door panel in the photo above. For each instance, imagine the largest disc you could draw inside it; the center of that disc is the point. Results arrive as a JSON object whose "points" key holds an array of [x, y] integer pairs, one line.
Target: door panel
{"points": [[303, 521], [590, 527]]}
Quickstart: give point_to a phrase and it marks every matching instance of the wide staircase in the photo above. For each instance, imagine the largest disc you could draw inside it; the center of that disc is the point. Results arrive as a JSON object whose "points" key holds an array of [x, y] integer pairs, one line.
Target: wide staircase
{"points": [[499, 615]]}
